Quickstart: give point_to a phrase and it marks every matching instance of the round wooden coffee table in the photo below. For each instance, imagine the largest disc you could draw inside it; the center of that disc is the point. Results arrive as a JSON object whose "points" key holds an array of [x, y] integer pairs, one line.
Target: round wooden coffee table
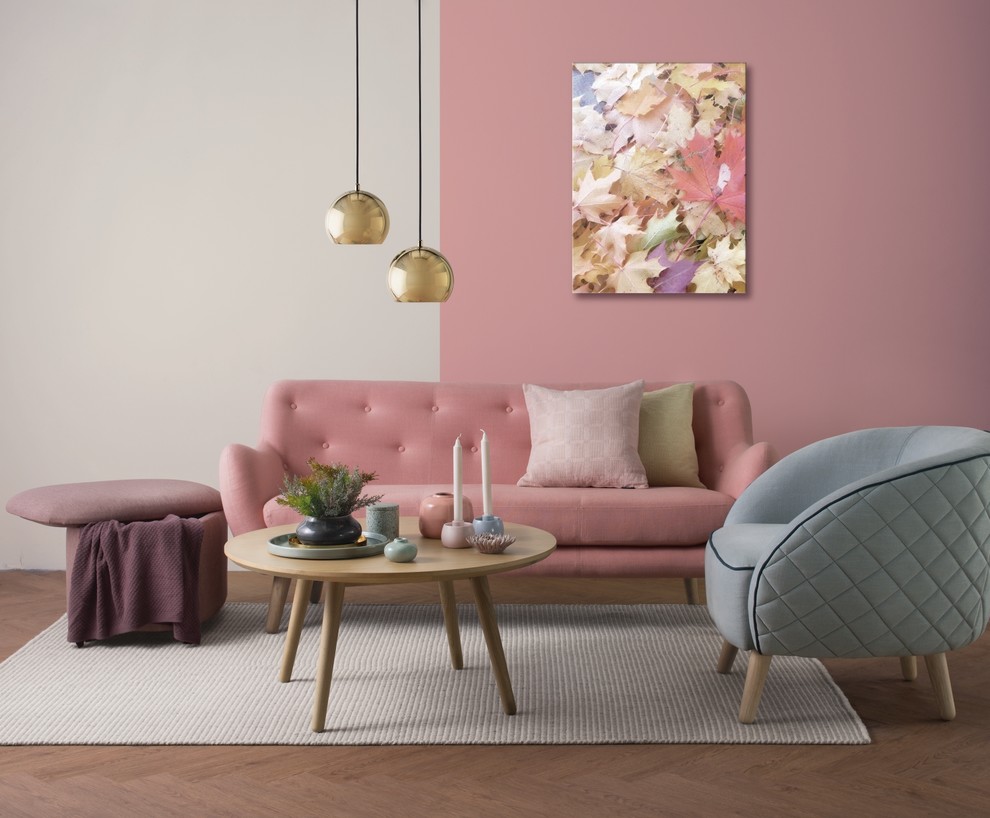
{"points": [[434, 563]]}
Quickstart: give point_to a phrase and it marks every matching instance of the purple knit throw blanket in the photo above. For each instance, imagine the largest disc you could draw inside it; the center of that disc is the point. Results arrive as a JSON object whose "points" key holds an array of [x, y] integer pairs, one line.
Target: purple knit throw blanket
{"points": [[128, 575]]}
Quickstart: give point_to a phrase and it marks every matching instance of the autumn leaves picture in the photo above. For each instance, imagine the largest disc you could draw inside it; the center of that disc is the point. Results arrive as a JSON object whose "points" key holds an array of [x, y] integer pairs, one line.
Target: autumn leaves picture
{"points": [[659, 178]]}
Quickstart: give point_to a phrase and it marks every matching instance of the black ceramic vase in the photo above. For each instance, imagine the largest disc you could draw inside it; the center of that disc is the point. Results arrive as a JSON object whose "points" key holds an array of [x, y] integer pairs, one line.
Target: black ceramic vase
{"points": [[329, 530]]}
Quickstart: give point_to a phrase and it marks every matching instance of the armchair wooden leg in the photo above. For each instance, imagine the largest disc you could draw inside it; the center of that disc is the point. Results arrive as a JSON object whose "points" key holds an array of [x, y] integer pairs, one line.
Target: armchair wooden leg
{"points": [[692, 590], [316, 592], [726, 657], [909, 668], [756, 675], [280, 590], [938, 673]]}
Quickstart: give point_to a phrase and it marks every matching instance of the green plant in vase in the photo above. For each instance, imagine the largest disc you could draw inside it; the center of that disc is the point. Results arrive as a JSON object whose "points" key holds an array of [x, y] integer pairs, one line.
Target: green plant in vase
{"points": [[327, 497]]}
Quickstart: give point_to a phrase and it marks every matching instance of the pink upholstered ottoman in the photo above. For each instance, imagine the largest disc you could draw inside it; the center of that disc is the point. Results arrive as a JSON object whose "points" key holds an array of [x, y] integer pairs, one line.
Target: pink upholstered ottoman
{"points": [[73, 505]]}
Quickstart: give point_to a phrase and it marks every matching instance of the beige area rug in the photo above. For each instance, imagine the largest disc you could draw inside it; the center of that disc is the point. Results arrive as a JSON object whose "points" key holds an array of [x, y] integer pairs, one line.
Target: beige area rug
{"points": [[582, 674]]}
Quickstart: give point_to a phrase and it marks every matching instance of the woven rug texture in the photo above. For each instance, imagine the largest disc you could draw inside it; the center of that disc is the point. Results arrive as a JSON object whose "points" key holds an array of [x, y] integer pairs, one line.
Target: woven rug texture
{"points": [[582, 674]]}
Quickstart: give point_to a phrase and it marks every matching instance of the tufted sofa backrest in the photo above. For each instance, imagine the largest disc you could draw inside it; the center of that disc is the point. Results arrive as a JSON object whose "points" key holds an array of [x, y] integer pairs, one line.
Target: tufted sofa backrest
{"points": [[404, 430]]}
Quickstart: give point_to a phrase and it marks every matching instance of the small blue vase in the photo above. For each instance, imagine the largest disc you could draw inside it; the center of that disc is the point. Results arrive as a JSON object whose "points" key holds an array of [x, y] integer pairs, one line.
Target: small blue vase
{"points": [[329, 530], [400, 550]]}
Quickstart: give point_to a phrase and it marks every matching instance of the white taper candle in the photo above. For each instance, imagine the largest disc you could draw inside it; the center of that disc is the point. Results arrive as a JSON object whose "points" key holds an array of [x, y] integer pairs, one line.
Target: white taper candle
{"points": [[458, 483], [486, 475]]}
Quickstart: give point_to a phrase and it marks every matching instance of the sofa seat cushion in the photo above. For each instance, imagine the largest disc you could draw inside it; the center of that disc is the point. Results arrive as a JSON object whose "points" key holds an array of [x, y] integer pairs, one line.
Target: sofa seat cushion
{"points": [[669, 516]]}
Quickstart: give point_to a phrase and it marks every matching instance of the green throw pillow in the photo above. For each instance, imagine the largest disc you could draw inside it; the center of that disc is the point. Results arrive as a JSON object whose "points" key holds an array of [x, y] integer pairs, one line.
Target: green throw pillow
{"points": [[666, 439]]}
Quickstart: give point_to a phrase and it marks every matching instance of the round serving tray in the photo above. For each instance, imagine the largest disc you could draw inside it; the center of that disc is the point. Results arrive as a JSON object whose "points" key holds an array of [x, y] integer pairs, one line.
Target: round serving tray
{"points": [[281, 547]]}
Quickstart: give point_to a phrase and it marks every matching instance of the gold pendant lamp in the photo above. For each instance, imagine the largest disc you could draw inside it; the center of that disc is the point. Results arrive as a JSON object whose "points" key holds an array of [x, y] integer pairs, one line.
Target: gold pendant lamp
{"points": [[420, 274], [357, 217]]}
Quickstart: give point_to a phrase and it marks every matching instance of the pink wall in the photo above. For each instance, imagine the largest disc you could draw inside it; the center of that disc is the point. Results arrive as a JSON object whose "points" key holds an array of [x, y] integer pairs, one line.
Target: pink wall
{"points": [[868, 179]]}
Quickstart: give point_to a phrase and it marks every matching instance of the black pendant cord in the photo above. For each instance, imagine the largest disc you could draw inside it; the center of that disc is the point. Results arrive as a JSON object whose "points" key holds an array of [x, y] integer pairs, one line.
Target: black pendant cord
{"points": [[357, 99], [419, 25]]}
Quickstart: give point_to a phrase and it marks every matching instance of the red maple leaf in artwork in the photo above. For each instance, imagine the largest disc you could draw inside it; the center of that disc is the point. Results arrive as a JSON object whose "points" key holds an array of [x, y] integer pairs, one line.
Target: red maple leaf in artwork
{"points": [[716, 178]]}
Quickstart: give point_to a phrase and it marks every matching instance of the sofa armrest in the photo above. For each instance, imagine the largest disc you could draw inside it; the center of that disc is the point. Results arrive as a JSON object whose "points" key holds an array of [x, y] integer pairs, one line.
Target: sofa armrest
{"points": [[249, 478], [744, 465]]}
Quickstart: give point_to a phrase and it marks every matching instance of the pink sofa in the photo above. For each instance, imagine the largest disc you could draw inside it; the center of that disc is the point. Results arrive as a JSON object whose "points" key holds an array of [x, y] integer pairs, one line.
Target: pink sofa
{"points": [[404, 431]]}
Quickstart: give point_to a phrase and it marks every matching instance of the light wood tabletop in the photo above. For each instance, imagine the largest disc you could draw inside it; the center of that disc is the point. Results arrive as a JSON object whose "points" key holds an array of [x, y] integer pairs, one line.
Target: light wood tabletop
{"points": [[433, 563]]}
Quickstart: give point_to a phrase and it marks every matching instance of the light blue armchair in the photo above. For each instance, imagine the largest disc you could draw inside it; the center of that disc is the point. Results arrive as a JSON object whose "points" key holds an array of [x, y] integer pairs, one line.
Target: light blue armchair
{"points": [[873, 543]]}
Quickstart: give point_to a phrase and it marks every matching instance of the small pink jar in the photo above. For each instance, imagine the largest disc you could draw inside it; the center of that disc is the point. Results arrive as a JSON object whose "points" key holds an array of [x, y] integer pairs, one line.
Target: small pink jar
{"points": [[438, 509]]}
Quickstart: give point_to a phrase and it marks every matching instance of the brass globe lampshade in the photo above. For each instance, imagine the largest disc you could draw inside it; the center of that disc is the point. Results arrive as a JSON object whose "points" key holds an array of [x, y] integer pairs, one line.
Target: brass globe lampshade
{"points": [[420, 274], [357, 217]]}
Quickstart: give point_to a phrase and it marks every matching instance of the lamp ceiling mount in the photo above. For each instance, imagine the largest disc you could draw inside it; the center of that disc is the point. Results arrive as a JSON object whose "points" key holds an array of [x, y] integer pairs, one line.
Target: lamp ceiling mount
{"points": [[357, 217]]}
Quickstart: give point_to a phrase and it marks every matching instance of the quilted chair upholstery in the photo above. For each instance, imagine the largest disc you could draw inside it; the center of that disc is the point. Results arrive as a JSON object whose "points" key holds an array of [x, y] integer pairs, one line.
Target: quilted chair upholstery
{"points": [[873, 543]]}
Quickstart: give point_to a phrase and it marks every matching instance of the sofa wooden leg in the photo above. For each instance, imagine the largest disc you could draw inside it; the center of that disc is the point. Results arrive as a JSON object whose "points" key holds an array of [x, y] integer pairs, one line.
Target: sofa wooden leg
{"points": [[692, 590], [938, 673], [316, 592], [909, 668], [756, 675], [280, 590], [726, 657]]}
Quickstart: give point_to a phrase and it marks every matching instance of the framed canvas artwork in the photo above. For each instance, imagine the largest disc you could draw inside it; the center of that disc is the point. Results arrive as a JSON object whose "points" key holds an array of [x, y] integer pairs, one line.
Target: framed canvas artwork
{"points": [[659, 178]]}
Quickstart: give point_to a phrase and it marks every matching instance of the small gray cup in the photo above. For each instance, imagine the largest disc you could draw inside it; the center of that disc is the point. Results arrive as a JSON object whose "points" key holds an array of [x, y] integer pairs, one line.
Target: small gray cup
{"points": [[383, 518]]}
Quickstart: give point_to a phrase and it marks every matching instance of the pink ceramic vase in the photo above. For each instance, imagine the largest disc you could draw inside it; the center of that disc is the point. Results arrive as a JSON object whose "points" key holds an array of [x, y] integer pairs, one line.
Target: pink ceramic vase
{"points": [[438, 509]]}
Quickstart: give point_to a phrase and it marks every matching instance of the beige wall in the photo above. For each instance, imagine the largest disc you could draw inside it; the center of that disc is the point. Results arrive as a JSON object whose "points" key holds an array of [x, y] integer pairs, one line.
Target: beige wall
{"points": [[164, 171]]}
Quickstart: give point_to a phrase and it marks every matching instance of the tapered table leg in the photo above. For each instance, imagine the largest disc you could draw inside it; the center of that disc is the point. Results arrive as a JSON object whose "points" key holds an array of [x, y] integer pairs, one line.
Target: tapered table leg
{"points": [[332, 608], [486, 614], [448, 602], [300, 601], [280, 590]]}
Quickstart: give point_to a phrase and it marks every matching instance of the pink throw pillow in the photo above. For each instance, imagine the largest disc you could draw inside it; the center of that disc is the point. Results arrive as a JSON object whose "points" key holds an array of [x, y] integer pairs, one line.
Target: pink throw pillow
{"points": [[584, 437]]}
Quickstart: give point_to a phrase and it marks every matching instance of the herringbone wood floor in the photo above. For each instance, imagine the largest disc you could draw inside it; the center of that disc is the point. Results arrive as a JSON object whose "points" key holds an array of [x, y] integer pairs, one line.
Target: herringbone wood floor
{"points": [[917, 765]]}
